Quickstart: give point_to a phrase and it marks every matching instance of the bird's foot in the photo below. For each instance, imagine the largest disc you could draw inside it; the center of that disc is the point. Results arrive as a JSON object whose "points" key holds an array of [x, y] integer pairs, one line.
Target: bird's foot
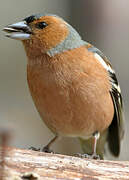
{"points": [[95, 156], [47, 150], [34, 149], [88, 156]]}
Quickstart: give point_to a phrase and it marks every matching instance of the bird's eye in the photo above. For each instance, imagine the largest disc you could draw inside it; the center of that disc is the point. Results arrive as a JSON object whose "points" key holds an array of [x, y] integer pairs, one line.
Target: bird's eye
{"points": [[41, 25]]}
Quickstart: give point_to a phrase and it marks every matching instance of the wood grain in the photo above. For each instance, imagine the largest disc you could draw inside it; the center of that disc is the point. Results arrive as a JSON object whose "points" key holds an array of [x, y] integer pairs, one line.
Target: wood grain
{"points": [[21, 164]]}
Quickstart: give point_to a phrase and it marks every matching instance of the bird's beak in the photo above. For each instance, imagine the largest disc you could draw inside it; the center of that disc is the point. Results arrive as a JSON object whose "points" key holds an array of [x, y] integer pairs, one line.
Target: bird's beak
{"points": [[19, 31]]}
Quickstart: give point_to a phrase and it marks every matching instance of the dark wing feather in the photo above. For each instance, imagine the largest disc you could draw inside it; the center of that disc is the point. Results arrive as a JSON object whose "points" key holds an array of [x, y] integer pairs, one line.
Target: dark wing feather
{"points": [[116, 130]]}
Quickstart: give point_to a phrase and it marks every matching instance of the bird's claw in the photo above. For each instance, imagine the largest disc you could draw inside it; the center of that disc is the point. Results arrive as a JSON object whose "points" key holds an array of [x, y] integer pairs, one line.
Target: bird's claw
{"points": [[88, 156], [95, 156], [47, 150], [34, 149]]}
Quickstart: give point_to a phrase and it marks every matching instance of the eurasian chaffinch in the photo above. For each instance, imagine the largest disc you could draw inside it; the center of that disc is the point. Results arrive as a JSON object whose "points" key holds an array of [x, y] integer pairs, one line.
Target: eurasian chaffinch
{"points": [[72, 83]]}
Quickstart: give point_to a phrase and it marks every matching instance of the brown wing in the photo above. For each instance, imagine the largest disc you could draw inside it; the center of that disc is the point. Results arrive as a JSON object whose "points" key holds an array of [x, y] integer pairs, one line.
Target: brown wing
{"points": [[116, 129]]}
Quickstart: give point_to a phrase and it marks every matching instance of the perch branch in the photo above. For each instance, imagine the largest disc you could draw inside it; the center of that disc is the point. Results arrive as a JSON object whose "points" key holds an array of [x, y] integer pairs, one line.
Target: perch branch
{"points": [[21, 164]]}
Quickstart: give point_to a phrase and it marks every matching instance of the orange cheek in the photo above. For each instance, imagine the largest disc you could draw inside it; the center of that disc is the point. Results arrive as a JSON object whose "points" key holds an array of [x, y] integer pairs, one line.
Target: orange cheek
{"points": [[51, 36]]}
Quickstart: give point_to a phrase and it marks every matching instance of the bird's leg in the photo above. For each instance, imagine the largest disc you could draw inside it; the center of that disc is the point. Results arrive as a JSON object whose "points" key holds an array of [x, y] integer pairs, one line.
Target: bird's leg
{"points": [[96, 136], [47, 147]]}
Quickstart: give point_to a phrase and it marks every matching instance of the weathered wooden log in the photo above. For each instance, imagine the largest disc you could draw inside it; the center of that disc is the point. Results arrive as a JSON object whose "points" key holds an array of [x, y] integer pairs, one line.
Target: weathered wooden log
{"points": [[21, 164]]}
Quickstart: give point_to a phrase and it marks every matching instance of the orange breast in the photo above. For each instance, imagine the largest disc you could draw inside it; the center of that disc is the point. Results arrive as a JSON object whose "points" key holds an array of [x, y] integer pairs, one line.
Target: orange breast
{"points": [[71, 92]]}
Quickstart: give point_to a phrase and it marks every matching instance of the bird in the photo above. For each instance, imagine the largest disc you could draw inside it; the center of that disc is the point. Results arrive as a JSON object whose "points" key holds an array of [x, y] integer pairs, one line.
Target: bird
{"points": [[72, 84]]}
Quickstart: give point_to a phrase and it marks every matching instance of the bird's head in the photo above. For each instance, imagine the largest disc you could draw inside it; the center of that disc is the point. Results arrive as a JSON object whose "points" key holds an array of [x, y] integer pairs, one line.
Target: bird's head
{"points": [[45, 33]]}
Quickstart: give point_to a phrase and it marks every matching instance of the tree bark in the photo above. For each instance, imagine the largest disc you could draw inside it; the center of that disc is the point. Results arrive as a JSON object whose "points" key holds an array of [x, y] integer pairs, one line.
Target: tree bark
{"points": [[21, 164]]}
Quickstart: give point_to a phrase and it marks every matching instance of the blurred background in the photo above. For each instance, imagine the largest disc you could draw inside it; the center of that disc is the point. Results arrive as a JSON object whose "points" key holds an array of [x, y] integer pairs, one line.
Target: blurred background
{"points": [[103, 23]]}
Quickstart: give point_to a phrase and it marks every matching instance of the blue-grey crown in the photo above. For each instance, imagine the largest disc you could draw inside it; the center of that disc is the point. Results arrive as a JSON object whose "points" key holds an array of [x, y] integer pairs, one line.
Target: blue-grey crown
{"points": [[73, 40]]}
